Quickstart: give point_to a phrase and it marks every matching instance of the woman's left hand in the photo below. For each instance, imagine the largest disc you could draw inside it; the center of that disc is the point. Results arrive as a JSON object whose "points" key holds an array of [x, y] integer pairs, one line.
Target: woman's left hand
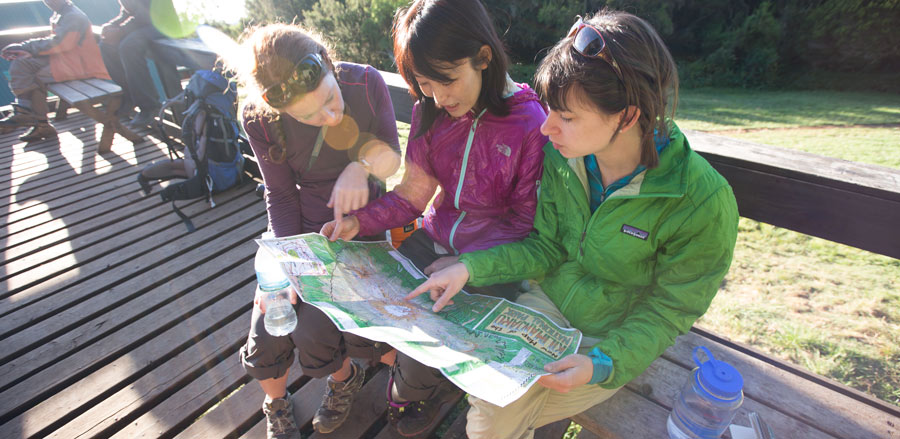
{"points": [[568, 373], [351, 191]]}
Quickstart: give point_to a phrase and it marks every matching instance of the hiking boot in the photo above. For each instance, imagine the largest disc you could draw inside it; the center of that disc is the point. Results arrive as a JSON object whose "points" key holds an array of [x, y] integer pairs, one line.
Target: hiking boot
{"points": [[414, 418], [21, 118], [42, 130], [144, 119], [337, 400], [145, 184], [280, 422]]}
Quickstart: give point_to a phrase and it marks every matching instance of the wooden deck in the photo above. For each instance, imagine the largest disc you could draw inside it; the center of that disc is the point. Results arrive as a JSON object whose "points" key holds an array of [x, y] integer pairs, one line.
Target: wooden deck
{"points": [[117, 323]]}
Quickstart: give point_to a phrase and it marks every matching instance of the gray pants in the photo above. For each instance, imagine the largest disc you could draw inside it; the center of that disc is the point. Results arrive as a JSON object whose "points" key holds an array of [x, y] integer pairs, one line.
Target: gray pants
{"points": [[322, 347], [28, 79]]}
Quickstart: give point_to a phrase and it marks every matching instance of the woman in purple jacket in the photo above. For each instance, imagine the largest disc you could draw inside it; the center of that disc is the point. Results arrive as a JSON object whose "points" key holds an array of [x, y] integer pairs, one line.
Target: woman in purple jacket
{"points": [[321, 131], [475, 135]]}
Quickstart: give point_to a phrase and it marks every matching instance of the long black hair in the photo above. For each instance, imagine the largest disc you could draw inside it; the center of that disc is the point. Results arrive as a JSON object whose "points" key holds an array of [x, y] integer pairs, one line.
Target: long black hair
{"points": [[432, 32]]}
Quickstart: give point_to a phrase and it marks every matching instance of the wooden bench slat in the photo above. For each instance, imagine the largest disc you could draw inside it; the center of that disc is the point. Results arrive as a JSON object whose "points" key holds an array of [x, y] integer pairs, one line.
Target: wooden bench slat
{"points": [[67, 93], [87, 89], [109, 87]]}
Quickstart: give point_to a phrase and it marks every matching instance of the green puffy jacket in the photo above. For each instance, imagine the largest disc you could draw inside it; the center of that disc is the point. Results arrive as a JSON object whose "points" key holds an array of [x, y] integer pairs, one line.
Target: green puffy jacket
{"points": [[638, 271]]}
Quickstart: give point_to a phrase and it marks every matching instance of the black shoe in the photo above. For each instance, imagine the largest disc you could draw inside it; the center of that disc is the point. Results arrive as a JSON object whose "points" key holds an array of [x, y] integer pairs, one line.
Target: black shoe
{"points": [[337, 400], [144, 119], [145, 184], [42, 130], [414, 418], [22, 117]]}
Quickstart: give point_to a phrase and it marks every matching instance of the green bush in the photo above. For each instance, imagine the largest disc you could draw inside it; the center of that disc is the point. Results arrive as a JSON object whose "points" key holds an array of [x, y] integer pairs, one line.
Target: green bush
{"points": [[359, 30]]}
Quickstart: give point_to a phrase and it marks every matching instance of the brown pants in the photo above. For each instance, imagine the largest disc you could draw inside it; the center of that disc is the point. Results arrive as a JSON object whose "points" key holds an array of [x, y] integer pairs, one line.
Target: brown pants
{"points": [[28, 79]]}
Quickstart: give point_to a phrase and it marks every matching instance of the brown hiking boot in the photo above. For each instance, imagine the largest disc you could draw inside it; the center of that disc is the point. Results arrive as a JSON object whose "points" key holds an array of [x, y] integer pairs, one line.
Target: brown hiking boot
{"points": [[21, 118], [42, 130], [280, 422], [337, 400]]}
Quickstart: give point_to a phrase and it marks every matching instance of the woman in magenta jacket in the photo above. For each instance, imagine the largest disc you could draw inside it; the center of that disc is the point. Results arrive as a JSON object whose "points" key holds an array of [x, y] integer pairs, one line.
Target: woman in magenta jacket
{"points": [[475, 135]]}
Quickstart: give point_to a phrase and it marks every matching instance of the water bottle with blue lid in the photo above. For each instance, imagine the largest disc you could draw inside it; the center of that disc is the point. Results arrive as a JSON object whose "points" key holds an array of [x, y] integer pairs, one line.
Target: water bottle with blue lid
{"points": [[708, 400]]}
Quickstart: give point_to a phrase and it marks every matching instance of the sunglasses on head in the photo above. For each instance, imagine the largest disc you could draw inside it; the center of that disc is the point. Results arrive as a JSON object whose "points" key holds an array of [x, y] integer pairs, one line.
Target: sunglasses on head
{"points": [[305, 78], [590, 43]]}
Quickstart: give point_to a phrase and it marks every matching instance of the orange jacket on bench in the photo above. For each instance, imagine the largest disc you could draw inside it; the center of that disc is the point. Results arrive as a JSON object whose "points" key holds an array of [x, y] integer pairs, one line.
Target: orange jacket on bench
{"points": [[71, 46]]}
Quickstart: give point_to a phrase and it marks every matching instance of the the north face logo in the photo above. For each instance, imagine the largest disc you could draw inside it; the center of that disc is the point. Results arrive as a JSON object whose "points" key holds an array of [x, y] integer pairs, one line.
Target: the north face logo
{"points": [[504, 149]]}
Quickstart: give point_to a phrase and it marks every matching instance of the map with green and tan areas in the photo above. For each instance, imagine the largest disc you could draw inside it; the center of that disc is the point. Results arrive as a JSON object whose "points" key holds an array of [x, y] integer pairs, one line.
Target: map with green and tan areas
{"points": [[489, 347]]}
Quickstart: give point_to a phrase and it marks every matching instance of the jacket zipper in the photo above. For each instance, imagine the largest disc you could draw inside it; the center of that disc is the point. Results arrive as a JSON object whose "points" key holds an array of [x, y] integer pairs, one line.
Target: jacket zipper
{"points": [[462, 177]]}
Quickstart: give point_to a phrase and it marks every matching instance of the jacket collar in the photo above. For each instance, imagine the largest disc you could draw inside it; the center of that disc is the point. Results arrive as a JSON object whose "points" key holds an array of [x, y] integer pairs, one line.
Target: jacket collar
{"points": [[669, 179]]}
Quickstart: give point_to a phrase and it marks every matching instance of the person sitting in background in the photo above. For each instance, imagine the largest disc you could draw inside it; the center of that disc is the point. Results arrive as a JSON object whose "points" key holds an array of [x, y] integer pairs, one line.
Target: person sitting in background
{"points": [[70, 52], [125, 42]]}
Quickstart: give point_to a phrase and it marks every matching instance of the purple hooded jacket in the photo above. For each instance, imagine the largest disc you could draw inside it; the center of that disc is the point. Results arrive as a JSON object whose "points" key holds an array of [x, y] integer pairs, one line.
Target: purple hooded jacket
{"points": [[488, 192]]}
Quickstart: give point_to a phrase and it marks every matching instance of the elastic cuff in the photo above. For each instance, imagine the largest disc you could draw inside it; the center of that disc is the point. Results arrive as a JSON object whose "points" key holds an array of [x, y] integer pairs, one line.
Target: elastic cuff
{"points": [[603, 366]]}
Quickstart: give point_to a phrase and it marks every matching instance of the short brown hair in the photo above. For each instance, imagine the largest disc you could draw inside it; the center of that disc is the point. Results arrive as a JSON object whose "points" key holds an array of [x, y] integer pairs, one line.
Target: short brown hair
{"points": [[649, 76]]}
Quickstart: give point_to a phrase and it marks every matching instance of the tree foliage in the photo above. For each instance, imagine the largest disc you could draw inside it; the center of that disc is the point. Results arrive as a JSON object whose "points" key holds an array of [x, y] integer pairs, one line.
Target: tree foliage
{"points": [[749, 43]]}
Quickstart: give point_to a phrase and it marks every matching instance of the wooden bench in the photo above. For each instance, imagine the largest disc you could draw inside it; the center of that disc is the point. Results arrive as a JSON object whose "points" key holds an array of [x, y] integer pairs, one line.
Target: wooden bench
{"points": [[99, 99]]}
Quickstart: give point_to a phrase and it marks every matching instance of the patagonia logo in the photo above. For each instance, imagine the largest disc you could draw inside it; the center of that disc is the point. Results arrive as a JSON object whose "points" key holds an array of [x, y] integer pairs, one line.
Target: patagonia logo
{"points": [[504, 149], [634, 231]]}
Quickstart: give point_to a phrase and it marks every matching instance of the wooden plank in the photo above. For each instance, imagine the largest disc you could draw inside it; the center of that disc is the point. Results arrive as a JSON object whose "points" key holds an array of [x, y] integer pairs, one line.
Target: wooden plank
{"points": [[160, 306], [67, 328], [796, 396], [457, 429], [67, 93], [400, 97], [176, 375], [92, 276], [239, 411], [109, 87], [555, 430], [627, 416], [660, 384], [87, 89]]}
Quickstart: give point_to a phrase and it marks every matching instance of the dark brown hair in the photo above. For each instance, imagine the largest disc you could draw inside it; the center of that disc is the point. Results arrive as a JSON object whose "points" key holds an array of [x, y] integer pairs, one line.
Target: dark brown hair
{"points": [[649, 76], [431, 32], [274, 51]]}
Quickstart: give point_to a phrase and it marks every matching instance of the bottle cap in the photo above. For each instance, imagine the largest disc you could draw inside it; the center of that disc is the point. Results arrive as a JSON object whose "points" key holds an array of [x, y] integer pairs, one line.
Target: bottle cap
{"points": [[717, 377]]}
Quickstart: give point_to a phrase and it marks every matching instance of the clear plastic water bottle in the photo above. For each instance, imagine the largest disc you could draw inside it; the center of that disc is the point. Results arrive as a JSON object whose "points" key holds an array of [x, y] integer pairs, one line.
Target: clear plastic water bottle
{"points": [[708, 400], [280, 317]]}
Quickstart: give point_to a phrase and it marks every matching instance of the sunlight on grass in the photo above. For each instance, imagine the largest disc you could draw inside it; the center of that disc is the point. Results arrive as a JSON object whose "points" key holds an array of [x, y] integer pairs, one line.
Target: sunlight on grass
{"points": [[713, 109], [830, 308], [876, 146]]}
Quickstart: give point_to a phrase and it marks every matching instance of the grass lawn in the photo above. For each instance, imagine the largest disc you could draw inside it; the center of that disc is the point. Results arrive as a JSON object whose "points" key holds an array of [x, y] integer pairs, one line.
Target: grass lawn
{"points": [[830, 308]]}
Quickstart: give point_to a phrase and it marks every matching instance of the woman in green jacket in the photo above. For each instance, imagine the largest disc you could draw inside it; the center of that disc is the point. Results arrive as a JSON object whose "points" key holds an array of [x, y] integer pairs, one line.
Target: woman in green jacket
{"points": [[634, 231]]}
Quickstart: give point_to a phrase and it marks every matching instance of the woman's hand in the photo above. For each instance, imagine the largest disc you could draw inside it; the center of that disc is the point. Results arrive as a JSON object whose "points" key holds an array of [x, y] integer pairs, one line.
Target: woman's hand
{"points": [[261, 304], [441, 264], [351, 191], [443, 285], [568, 373], [346, 228]]}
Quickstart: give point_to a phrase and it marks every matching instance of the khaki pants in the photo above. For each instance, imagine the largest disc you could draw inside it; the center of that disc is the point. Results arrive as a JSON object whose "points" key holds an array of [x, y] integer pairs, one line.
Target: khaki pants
{"points": [[539, 406]]}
